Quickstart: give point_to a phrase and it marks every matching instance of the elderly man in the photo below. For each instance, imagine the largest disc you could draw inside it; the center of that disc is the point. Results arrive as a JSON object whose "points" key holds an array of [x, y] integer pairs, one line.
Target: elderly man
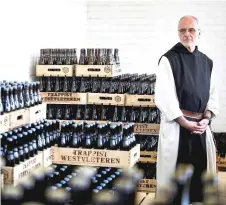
{"points": [[186, 96]]}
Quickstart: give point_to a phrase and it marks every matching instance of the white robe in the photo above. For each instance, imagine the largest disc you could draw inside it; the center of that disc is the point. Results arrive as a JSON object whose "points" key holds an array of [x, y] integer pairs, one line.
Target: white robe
{"points": [[167, 101]]}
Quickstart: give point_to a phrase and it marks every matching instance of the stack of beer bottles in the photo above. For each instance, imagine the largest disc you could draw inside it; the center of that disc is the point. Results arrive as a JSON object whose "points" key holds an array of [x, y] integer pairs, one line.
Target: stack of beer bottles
{"points": [[92, 89], [20, 107], [146, 130], [220, 138]]}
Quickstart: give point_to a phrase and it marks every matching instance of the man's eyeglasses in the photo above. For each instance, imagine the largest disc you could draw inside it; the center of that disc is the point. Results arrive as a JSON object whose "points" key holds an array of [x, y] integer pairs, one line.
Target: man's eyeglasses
{"points": [[190, 30]]}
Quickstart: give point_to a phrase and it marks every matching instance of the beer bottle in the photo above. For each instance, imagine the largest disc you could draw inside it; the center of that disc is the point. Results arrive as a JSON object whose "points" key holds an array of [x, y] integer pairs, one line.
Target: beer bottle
{"points": [[113, 143], [65, 84], [26, 96], [1, 102], [10, 160], [12, 195], [15, 150], [182, 179], [82, 59], [20, 95], [59, 111], [40, 185], [116, 56], [125, 142], [63, 136], [126, 190], [88, 140], [109, 57], [28, 187], [6, 101], [100, 140], [31, 94], [75, 138], [48, 84], [15, 96], [57, 197]]}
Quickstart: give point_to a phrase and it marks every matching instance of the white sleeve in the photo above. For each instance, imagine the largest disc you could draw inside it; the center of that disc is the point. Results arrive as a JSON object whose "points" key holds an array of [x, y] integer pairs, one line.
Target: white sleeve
{"points": [[165, 91], [213, 103]]}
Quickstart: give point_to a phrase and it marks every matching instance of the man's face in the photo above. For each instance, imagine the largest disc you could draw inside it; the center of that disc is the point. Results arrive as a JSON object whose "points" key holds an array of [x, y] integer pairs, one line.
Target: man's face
{"points": [[188, 31]]}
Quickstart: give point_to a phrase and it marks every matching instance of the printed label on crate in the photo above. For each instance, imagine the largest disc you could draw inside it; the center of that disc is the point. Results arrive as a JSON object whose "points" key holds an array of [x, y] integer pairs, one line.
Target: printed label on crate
{"points": [[90, 157], [140, 100], [106, 99], [148, 185], [63, 98], [222, 161], [146, 128], [47, 157], [97, 70], [12, 175], [4, 123], [54, 70]]}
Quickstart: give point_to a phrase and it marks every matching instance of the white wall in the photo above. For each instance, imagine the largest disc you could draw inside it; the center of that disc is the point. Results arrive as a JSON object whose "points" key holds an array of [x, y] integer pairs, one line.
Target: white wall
{"points": [[28, 25], [144, 30]]}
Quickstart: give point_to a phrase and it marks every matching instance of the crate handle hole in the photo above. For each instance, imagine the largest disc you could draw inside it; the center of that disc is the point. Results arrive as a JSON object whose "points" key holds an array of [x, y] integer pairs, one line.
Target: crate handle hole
{"points": [[144, 100], [54, 69], [38, 111], [105, 98], [93, 69], [20, 117]]}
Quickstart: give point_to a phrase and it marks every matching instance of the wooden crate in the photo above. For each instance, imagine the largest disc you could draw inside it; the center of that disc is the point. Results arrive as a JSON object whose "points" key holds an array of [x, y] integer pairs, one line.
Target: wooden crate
{"points": [[2, 181], [146, 156], [94, 157], [18, 118], [140, 100], [4, 123], [54, 70], [146, 128], [147, 185], [13, 175], [221, 162], [37, 112], [63, 98], [47, 156], [97, 70], [106, 99]]}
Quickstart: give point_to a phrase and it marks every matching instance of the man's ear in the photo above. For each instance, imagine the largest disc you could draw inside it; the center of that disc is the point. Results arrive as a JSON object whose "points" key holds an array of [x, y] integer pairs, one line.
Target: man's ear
{"points": [[199, 33]]}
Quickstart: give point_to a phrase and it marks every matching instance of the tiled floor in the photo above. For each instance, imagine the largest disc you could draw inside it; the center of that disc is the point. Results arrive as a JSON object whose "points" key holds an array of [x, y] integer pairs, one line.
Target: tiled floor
{"points": [[144, 199]]}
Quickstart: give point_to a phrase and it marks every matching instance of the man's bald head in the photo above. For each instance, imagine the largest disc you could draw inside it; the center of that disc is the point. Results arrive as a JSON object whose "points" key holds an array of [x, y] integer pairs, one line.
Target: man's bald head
{"points": [[190, 18]]}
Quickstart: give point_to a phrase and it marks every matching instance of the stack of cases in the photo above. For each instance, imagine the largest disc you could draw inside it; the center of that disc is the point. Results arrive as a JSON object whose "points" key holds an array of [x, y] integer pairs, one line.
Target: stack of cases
{"points": [[90, 88]]}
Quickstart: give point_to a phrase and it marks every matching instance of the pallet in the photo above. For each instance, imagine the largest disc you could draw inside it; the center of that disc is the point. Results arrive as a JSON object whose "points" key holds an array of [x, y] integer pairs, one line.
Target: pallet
{"points": [[13, 175], [55, 70], [64, 98], [147, 186], [140, 100], [97, 70], [106, 99], [4, 123], [146, 128], [94, 157]]}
